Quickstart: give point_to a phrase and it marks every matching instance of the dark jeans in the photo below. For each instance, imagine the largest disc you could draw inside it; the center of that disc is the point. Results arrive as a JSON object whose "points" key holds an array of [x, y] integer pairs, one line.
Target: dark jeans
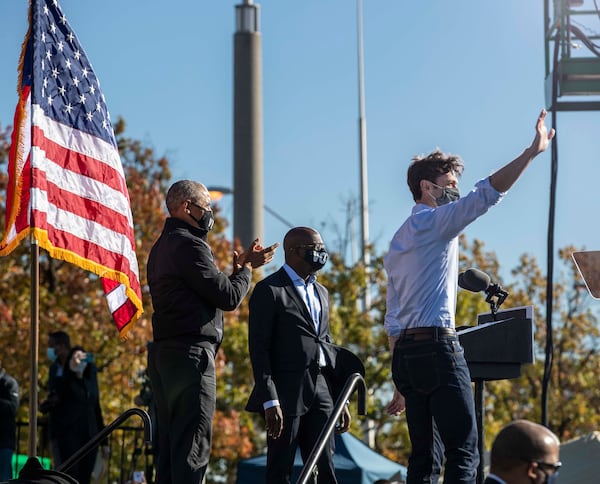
{"points": [[438, 456], [184, 390], [434, 379]]}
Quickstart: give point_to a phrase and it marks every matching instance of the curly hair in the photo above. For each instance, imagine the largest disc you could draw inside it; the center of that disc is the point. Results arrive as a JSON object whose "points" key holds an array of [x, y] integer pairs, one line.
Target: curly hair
{"points": [[429, 168]]}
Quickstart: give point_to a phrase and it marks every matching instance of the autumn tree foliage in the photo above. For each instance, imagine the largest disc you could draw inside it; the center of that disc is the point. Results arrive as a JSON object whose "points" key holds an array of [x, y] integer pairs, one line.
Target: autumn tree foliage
{"points": [[573, 394], [72, 300]]}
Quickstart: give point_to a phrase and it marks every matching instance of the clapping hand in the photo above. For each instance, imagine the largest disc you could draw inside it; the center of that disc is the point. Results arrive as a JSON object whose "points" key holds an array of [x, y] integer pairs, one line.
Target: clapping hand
{"points": [[256, 255]]}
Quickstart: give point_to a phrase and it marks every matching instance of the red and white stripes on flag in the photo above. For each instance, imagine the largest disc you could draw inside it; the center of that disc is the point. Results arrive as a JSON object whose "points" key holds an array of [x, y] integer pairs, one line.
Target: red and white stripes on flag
{"points": [[66, 182]]}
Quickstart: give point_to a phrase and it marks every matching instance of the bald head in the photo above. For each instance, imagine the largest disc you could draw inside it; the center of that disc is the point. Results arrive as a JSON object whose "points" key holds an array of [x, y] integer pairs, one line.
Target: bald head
{"points": [[299, 236], [299, 243], [521, 443]]}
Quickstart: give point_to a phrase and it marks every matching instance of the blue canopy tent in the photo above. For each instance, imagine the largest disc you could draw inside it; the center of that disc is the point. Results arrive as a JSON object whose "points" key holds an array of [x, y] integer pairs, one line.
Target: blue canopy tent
{"points": [[355, 463]]}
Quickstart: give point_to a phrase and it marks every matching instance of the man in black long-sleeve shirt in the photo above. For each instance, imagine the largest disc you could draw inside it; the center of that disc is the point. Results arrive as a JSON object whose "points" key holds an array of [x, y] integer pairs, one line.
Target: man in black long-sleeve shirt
{"points": [[189, 295]]}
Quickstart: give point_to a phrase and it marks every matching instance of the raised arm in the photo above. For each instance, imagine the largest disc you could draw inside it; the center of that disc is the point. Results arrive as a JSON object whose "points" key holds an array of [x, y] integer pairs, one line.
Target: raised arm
{"points": [[506, 176]]}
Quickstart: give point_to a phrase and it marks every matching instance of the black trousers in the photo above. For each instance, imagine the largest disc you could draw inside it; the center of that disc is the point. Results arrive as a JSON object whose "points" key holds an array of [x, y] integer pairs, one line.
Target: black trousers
{"points": [[303, 431], [69, 442], [184, 389]]}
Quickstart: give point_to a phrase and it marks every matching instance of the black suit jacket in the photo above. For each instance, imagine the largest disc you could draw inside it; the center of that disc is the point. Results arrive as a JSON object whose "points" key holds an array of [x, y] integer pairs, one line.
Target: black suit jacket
{"points": [[284, 347], [491, 480]]}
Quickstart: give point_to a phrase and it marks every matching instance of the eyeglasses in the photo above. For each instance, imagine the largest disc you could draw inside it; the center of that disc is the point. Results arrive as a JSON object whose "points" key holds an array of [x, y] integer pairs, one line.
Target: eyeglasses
{"points": [[451, 185], [317, 247], [547, 465], [200, 207]]}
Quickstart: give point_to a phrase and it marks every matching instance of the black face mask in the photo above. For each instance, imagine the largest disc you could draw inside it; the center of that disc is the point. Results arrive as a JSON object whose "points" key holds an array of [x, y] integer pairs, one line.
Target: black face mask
{"points": [[316, 258], [449, 194], [550, 478], [205, 222]]}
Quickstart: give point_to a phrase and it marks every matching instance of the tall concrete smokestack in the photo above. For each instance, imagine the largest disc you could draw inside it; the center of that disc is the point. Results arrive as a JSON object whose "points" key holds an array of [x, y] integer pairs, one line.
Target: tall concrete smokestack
{"points": [[247, 129]]}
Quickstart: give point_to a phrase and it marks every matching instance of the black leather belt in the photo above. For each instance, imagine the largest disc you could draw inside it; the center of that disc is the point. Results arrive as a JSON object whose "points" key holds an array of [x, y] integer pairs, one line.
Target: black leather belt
{"points": [[426, 333]]}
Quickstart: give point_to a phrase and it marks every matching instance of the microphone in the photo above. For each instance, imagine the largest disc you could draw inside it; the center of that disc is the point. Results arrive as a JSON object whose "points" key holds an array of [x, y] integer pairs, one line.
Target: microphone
{"points": [[474, 280]]}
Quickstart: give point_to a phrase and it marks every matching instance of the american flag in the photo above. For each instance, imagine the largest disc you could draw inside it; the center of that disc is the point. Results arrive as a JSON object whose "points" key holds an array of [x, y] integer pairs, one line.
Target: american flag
{"points": [[66, 180]]}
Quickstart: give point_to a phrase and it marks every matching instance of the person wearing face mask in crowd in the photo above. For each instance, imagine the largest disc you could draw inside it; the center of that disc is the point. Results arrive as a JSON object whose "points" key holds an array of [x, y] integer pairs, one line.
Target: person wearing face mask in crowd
{"points": [[298, 372], [428, 366], [524, 452], [59, 347], [9, 406], [73, 404], [189, 294]]}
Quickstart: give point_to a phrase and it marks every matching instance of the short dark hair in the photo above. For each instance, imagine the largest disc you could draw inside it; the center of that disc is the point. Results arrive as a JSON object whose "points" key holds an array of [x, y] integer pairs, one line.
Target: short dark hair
{"points": [[429, 168], [183, 190], [60, 338]]}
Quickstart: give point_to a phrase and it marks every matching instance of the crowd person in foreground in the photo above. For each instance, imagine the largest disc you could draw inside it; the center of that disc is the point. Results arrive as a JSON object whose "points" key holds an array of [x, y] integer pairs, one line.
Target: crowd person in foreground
{"points": [[524, 452]]}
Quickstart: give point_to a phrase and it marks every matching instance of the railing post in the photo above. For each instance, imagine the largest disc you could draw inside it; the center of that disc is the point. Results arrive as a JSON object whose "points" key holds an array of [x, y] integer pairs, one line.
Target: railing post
{"points": [[100, 436], [351, 383]]}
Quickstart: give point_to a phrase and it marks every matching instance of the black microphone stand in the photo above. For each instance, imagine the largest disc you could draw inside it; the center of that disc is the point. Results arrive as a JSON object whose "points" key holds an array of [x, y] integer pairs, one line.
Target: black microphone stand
{"points": [[495, 291], [495, 296]]}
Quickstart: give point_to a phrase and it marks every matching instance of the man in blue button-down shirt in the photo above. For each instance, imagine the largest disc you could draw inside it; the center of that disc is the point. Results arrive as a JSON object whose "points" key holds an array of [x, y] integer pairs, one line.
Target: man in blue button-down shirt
{"points": [[428, 366]]}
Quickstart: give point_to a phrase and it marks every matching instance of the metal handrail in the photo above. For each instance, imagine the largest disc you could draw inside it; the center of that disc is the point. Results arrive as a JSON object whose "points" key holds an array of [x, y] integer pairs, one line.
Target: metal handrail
{"points": [[104, 433], [351, 383]]}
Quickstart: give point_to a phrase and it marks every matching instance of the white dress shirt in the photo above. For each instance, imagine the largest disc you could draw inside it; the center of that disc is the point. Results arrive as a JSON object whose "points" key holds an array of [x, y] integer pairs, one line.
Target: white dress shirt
{"points": [[422, 261]]}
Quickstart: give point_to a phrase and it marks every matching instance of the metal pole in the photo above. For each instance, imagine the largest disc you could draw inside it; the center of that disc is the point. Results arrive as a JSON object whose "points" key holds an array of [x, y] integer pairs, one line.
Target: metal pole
{"points": [[549, 351], [278, 217], [247, 129], [479, 415], [216, 193], [362, 132], [354, 381], [364, 195], [34, 339]]}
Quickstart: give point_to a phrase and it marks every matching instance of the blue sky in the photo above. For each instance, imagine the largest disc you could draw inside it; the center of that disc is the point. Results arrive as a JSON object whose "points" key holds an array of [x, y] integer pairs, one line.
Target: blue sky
{"points": [[466, 76]]}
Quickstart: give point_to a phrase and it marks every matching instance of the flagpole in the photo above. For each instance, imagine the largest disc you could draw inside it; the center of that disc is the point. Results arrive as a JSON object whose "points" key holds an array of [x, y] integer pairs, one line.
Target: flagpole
{"points": [[362, 134], [34, 344]]}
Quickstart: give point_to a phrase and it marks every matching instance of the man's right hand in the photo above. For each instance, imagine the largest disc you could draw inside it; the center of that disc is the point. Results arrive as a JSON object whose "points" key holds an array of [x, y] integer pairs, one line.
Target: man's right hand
{"points": [[274, 421], [397, 405]]}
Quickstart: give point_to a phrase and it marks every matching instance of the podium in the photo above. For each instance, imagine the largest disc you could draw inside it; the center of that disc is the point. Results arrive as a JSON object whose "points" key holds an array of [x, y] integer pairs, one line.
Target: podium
{"points": [[496, 349]]}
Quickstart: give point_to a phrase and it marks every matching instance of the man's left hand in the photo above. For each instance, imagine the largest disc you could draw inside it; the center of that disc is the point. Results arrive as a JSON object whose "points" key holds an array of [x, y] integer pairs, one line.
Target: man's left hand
{"points": [[542, 135], [256, 255], [344, 422]]}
